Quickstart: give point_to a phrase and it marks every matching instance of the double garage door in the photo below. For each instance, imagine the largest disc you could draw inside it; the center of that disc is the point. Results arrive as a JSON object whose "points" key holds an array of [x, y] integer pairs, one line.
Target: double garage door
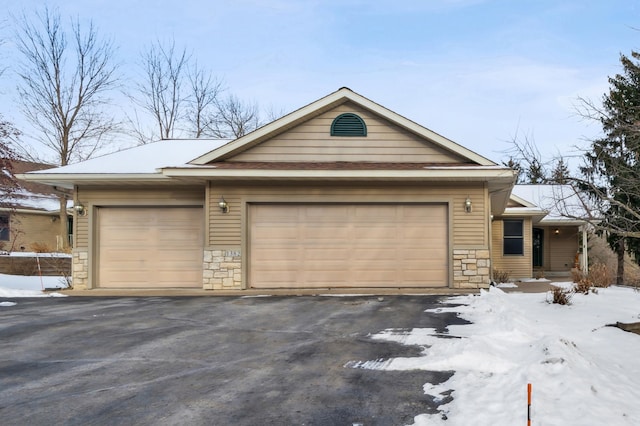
{"points": [[289, 246], [150, 247], [355, 245]]}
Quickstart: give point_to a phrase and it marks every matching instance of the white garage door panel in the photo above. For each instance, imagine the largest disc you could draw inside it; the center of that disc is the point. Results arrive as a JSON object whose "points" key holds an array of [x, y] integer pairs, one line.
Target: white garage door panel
{"points": [[150, 247], [348, 246]]}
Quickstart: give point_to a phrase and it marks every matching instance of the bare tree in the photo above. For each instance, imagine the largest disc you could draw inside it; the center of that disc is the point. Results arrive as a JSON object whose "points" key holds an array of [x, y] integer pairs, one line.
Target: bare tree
{"points": [[181, 97], [525, 155], [65, 76], [236, 118], [8, 182], [273, 113], [162, 93], [201, 114]]}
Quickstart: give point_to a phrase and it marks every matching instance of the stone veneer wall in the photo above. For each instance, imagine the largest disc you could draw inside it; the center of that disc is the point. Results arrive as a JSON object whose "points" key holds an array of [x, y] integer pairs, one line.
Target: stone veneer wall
{"points": [[80, 269], [471, 268], [222, 269]]}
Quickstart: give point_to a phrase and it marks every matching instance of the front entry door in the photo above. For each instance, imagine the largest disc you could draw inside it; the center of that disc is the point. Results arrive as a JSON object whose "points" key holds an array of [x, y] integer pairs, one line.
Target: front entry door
{"points": [[538, 239]]}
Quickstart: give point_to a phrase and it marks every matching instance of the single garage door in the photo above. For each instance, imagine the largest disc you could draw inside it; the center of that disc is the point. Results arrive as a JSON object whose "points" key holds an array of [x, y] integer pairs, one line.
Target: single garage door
{"points": [[150, 247], [358, 245]]}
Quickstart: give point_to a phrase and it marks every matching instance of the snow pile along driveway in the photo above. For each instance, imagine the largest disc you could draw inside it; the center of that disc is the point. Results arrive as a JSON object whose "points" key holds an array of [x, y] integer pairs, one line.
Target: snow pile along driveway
{"points": [[582, 371], [14, 286]]}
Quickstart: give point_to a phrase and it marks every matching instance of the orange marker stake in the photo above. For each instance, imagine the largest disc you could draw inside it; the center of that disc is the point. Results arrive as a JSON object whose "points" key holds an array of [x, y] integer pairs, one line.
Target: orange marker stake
{"points": [[529, 404]]}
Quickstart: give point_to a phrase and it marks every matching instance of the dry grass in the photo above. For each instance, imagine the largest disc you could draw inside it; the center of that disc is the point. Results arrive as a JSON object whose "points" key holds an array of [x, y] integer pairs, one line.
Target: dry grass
{"points": [[41, 247], [599, 276], [601, 253], [501, 276]]}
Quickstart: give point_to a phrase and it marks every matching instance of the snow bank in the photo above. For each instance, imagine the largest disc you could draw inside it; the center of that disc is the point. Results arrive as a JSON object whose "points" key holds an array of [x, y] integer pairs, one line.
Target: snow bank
{"points": [[582, 372], [15, 286]]}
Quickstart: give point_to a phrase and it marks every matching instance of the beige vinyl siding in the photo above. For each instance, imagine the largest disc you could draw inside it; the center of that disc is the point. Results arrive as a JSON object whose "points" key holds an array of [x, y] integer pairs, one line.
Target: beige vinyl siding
{"points": [[27, 229], [311, 142], [519, 266], [130, 196], [469, 229], [561, 248]]}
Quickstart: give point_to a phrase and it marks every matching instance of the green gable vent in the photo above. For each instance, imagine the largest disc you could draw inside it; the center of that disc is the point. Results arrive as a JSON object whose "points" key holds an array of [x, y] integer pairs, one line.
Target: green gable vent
{"points": [[348, 124]]}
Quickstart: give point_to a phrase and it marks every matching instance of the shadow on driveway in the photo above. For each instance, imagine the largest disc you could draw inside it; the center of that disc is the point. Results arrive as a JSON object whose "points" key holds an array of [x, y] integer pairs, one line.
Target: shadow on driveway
{"points": [[213, 361]]}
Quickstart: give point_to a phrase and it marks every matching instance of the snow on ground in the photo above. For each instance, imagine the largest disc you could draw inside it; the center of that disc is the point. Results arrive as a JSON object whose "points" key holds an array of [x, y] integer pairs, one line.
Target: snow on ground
{"points": [[582, 371], [33, 254], [15, 286]]}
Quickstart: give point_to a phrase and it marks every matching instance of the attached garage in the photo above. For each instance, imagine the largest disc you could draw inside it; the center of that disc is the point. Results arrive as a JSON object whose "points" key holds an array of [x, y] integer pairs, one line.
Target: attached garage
{"points": [[342, 193], [149, 247], [348, 245]]}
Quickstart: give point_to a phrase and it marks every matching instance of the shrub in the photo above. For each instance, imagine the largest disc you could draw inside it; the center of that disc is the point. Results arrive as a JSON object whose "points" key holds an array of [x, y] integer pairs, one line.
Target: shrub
{"points": [[583, 286], [501, 276], [561, 296]]}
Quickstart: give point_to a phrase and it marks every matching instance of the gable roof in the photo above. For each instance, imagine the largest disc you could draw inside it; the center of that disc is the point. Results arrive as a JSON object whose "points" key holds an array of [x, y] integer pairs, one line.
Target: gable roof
{"points": [[197, 161], [560, 204], [138, 163], [324, 104]]}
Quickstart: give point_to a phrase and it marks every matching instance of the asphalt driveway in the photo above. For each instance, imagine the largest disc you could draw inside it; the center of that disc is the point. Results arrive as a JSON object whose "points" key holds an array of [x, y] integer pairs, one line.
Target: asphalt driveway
{"points": [[210, 361]]}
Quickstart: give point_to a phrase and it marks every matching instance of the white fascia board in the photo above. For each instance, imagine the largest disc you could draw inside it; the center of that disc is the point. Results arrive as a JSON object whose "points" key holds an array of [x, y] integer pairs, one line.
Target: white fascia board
{"points": [[414, 127], [524, 211], [68, 180], [451, 174], [30, 211], [562, 222], [338, 97], [267, 129], [522, 201]]}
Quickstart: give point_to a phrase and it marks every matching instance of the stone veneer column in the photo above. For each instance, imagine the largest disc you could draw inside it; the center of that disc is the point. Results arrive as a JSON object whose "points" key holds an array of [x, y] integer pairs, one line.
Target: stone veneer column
{"points": [[222, 269], [80, 268], [471, 268]]}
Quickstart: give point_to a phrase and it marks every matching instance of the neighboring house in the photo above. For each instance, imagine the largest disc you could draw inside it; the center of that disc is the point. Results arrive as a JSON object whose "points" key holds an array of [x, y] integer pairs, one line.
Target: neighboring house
{"points": [[29, 216], [342, 193]]}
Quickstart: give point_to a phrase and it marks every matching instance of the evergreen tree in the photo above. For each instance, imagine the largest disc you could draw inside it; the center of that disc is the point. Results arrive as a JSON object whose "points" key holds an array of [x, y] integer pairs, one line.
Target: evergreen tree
{"points": [[560, 172], [612, 167], [515, 166], [535, 172]]}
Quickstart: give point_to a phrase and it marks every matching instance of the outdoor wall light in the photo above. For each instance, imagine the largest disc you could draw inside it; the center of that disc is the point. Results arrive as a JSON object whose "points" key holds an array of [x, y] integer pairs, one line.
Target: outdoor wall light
{"points": [[224, 207], [79, 208], [467, 205], [557, 231]]}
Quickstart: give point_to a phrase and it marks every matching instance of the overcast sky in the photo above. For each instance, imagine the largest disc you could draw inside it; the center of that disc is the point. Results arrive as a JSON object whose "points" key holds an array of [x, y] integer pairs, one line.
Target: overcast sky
{"points": [[475, 71]]}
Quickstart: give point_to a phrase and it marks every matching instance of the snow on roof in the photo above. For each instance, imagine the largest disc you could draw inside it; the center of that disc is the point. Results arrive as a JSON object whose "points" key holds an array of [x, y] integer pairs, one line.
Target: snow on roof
{"points": [[144, 158], [34, 201], [28, 200], [562, 202]]}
